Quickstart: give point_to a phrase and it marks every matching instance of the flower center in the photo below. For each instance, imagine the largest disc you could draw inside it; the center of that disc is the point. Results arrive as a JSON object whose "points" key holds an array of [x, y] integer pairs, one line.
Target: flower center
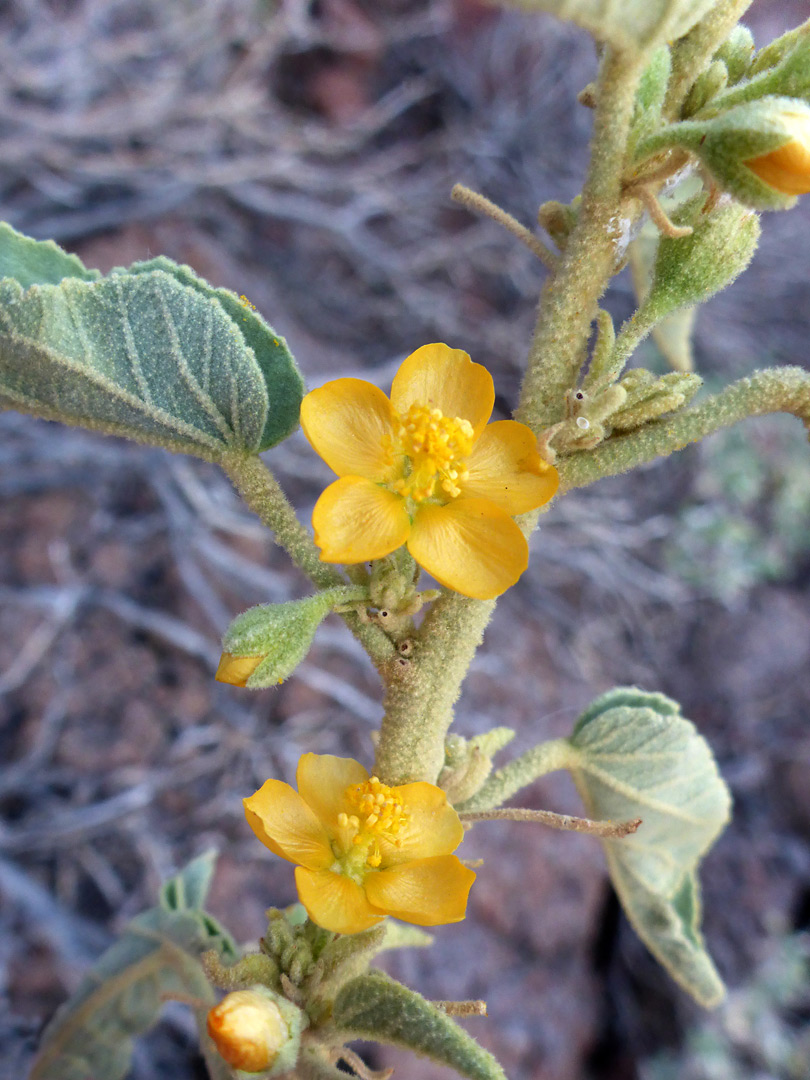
{"points": [[379, 814], [435, 447]]}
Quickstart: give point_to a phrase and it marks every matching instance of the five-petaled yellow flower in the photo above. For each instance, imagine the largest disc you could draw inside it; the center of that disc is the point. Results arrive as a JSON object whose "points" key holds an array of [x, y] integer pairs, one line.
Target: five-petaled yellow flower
{"points": [[424, 469], [364, 850]]}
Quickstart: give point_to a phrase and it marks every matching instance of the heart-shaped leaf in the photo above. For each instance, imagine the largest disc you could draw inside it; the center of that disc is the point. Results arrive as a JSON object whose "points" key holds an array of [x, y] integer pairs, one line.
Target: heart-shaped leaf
{"points": [[635, 756]]}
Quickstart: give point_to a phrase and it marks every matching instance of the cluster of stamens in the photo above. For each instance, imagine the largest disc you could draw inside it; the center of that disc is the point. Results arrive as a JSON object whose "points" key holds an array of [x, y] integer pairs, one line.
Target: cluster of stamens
{"points": [[435, 446], [380, 814]]}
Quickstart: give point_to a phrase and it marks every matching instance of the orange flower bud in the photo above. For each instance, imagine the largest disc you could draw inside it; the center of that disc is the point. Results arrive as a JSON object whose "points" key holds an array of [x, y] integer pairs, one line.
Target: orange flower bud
{"points": [[787, 168], [236, 670], [248, 1030]]}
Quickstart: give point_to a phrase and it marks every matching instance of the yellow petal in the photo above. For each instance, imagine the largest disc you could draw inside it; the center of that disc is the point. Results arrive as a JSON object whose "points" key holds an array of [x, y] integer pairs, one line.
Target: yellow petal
{"points": [[284, 823], [506, 469], [427, 891], [322, 782], [432, 828], [335, 902], [445, 379], [787, 168], [355, 520], [347, 422], [469, 545], [236, 670]]}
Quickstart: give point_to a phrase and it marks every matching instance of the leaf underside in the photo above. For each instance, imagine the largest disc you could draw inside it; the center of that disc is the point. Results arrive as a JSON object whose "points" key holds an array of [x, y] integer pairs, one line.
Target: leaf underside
{"points": [[636, 757]]}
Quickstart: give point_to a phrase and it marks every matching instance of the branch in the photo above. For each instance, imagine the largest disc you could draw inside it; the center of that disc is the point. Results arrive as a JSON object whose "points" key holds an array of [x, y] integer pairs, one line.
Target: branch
{"points": [[785, 389], [607, 830], [262, 493], [479, 204]]}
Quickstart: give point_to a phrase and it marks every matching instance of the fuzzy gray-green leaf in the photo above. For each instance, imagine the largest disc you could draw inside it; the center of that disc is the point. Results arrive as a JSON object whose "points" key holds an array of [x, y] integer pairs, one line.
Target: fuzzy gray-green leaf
{"points": [[632, 25], [37, 262], [153, 353], [635, 756], [373, 1006], [123, 994], [281, 376]]}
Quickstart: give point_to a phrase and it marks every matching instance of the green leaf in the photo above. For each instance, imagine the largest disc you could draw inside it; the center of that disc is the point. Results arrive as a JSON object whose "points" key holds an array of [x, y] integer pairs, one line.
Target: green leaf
{"points": [[36, 262], [281, 376], [626, 24], [374, 1006], [635, 756], [154, 353], [121, 997]]}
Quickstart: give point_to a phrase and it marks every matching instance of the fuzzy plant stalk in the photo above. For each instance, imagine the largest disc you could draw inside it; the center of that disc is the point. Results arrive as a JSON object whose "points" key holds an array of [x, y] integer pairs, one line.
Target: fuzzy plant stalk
{"points": [[425, 525]]}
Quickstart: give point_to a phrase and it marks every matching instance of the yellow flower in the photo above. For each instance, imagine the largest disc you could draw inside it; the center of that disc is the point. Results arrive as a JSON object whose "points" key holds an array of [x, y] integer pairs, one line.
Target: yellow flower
{"points": [[424, 469], [248, 1030], [364, 850], [787, 168]]}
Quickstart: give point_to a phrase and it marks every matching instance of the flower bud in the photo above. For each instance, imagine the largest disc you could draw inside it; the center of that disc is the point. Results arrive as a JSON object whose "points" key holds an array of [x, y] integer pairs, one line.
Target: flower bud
{"points": [[728, 143], [248, 1029], [737, 53], [690, 269], [787, 168], [265, 644]]}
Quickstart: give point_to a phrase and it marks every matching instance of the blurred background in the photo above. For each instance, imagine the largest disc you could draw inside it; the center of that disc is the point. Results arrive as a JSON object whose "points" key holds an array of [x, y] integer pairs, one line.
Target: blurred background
{"points": [[302, 153]]}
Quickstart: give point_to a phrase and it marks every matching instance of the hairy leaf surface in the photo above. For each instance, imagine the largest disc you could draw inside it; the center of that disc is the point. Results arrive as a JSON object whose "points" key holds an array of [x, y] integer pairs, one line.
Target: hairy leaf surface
{"points": [[374, 1006], [121, 997], [153, 353]]}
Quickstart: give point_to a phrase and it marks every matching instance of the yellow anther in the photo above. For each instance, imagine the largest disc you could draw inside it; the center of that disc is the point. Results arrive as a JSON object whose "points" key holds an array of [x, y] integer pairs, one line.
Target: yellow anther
{"points": [[343, 820], [434, 446]]}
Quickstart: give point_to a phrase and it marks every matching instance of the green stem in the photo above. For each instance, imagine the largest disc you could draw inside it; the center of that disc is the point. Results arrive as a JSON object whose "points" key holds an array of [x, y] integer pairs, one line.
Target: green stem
{"points": [[421, 693], [262, 493], [785, 389], [524, 770], [692, 54], [570, 298]]}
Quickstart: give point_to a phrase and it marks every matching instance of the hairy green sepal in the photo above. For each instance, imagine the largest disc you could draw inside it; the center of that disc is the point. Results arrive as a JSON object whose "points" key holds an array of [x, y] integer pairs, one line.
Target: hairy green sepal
{"points": [[152, 353], [374, 1006], [156, 957], [636, 756]]}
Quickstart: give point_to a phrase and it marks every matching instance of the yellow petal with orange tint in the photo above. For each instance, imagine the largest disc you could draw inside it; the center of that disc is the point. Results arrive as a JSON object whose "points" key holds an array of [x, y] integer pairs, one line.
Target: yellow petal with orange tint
{"points": [[427, 891], [322, 783], [445, 379], [236, 670], [285, 824], [506, 469], [787, 169], [347, 422], [334, 902], [469, 545], [355, 520], [432, 826]]}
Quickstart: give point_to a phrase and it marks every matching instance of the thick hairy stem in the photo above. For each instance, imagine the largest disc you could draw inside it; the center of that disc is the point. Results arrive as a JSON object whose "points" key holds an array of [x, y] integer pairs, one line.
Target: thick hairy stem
{"points": [[570, 298], [784, 389], [421, 692], [691, 55], [262, 493]]}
